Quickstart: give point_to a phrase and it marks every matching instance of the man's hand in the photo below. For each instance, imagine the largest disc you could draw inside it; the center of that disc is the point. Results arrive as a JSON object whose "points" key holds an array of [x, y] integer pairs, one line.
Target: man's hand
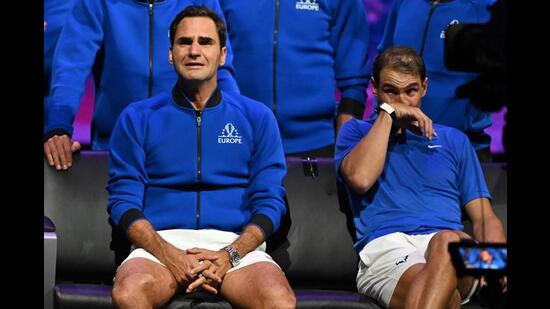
{"points": [[210, 278], [185, 267], [58, 150], [412, 118]]}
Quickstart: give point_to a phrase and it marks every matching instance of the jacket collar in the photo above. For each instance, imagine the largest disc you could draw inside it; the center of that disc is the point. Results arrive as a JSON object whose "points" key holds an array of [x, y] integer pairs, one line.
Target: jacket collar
{"points": [[181, 99]]}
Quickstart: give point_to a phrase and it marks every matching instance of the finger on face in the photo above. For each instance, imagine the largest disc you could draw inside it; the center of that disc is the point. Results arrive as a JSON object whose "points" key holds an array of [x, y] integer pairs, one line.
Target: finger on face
{"points": [[431, 128], [414, 127]]}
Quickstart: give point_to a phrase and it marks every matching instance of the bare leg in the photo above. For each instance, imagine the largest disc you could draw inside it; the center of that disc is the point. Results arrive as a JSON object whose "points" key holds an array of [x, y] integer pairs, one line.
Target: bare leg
{"points": [[434, 284], [259, 285], [142, 283]]}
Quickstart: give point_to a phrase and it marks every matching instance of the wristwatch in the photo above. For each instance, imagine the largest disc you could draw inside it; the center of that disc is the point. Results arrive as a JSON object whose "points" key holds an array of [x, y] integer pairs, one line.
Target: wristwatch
{"points": [[234, 256], [387, 108]]}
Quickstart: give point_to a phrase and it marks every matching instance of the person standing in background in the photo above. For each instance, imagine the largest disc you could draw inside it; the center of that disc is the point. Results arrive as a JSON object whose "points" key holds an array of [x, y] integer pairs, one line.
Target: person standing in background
{"points": [[55, 15], [293, 56], [421, 24]]}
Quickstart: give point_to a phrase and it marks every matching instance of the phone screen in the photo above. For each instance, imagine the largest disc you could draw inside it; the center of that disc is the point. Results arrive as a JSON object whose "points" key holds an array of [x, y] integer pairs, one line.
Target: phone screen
{"points": [[480, 258]]}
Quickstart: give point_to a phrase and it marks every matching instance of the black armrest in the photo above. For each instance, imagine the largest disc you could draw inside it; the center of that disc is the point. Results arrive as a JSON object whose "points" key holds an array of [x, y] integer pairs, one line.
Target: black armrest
{"points": [[48, 225]]}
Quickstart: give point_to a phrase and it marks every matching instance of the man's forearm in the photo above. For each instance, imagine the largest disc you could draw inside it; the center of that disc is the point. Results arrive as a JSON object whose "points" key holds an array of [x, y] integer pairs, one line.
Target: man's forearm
{"points": [[142, 234], [249, 240], [364, 164], [489, 230]]}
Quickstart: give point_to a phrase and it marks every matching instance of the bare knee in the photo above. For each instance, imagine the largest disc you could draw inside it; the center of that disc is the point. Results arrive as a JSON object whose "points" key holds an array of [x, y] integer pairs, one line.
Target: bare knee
{"points": [[129, 292], [443, 238], [280, 297]]}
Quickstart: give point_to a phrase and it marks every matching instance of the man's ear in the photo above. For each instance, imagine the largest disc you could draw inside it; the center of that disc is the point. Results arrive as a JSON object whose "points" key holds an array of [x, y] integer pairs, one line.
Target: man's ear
{"points": [[374, 87], [425, 86], [170, 56], [223, 54]]}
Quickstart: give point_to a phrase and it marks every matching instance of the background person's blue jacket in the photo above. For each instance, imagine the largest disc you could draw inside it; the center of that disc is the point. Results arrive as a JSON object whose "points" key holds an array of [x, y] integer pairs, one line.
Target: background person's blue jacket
{"points": [[55, 15], [293, 55], [421, 24], [180, 169], [122, 29]]}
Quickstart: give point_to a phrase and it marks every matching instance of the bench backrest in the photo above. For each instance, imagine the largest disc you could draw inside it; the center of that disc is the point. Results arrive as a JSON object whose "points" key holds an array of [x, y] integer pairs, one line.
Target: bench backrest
{"points": [[316, 253]]}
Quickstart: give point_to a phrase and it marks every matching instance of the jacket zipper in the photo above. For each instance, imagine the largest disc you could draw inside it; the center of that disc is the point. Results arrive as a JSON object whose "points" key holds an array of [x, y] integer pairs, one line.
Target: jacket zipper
{"points": [[150, 85], [275, 38], [198, 114], [432, 9]]}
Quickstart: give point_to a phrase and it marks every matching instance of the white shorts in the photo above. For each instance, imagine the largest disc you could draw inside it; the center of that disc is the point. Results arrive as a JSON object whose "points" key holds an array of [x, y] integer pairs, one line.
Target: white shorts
{"points": [[384, 260], [206, 239]]}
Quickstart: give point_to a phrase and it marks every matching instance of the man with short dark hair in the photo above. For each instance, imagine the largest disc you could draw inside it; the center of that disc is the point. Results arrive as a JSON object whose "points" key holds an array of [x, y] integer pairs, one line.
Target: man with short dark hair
{"points": [[124, 43], [409, 180], [196, 183]]}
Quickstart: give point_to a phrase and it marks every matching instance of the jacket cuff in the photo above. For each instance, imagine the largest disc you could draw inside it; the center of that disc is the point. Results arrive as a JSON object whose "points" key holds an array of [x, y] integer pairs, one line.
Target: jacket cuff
{"points": [[128, 218], [58, 117], [352, 107], [54, 132], [264, 223]]}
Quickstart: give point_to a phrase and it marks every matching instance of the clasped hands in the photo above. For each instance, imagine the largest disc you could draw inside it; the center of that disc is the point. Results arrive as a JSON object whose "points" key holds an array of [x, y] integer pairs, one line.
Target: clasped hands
{"points": [[208, 269]]}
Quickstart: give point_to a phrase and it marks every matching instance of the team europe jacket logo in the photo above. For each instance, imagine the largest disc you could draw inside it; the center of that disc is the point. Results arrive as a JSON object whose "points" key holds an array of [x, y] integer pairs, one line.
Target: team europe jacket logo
{"points": [[230, 135], [310, 5]]}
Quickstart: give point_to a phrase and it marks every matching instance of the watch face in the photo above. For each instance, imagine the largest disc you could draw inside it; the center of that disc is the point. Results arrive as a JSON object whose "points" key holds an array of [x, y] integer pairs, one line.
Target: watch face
{"points": [[234, 257]]}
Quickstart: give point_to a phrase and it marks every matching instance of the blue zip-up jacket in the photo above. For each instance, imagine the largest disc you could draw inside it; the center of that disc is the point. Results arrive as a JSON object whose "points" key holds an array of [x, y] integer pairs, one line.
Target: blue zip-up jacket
{"points": [[292, 55], [421, 25], [221, 168], [55, 14], [121, 28]]}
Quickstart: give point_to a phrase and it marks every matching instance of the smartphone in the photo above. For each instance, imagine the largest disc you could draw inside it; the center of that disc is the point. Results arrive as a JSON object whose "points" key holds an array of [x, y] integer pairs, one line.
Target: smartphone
{"points": [[479, 258]]}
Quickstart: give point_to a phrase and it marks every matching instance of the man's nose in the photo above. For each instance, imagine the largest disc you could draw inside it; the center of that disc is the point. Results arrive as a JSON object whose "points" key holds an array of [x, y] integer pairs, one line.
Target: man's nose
{"points": [[400, 98], [194, 49]]}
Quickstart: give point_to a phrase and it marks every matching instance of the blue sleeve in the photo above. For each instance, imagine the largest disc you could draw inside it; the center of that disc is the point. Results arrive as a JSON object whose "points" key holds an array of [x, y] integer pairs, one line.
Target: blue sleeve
{"points": [[56, 13], [73, 58], [349, 136], [350, 39], [471, 180], [389, 29], [226, 74], [482, 13], [127, 174], [267, 172]]}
